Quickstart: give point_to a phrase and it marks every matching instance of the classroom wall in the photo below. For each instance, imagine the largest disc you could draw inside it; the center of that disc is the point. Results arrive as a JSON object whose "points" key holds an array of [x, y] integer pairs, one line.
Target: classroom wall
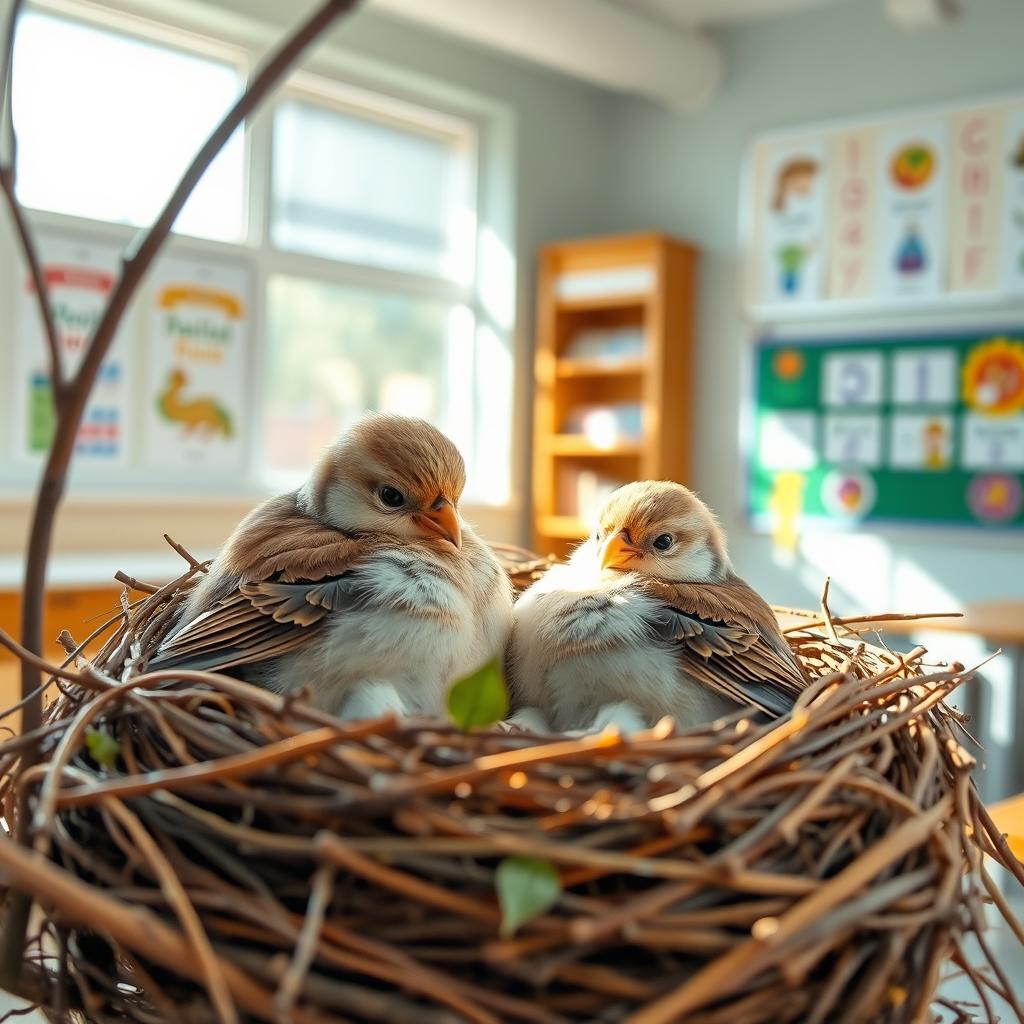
{"points": [[681, 173]]}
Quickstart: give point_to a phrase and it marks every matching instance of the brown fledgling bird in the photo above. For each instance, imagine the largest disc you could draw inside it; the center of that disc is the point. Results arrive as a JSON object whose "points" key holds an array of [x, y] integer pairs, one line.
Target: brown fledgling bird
{"points": [[365, 584], [647, 619]]}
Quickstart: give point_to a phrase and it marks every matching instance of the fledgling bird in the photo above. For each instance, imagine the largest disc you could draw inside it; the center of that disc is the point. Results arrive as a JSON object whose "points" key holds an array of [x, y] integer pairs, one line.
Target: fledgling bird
{"points": [[365, 584], [647, 619]]}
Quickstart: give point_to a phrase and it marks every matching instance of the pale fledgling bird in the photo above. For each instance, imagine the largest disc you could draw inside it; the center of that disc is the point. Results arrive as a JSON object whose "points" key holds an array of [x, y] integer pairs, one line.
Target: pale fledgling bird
{"points": [[647, 619], [364, 585]]}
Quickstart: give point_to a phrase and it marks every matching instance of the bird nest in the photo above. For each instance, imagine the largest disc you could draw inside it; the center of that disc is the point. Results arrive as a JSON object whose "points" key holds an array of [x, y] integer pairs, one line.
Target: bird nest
{"points": [[208, 851]]}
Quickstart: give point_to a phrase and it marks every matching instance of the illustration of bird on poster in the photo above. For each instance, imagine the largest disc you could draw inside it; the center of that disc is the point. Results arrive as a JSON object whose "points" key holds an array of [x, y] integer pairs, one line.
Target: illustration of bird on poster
{"points": [[197, 366]]}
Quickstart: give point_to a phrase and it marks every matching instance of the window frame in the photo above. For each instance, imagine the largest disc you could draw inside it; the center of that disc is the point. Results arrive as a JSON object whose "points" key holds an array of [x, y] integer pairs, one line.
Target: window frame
{"points": [[333, 78]]}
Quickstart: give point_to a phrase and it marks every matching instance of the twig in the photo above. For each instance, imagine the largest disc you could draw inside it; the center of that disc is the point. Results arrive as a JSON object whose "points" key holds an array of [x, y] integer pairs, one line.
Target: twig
{"points": [[305, 948], [187, 555], [133, 584], [825, 613]]}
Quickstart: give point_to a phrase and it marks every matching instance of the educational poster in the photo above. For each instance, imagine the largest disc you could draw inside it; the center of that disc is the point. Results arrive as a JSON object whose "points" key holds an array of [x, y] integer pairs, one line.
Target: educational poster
{"points": [[792, 264], [197, 365], [852, 214], [913, 171], [912, 429], [79, 276], [976, 207], [895, 211], [1011, 154]]}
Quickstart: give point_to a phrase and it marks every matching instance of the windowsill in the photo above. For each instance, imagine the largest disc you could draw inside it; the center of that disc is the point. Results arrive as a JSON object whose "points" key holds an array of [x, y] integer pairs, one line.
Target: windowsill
{"points": [[97, 535], [72, 572]]}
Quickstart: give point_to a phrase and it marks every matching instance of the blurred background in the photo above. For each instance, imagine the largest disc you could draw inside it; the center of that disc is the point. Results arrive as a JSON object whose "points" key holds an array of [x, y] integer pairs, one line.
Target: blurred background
{"points": [[771, 248]]}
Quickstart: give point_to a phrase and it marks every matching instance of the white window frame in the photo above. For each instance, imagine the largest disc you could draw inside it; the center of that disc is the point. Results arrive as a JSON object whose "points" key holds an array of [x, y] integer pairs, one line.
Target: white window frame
{"points": [[332, 78]]}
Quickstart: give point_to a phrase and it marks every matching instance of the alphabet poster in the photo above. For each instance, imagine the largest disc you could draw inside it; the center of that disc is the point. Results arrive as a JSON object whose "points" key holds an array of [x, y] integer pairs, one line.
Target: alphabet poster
{"points": [[913, 429], [197, 361], [896, 210], [79, 276]]}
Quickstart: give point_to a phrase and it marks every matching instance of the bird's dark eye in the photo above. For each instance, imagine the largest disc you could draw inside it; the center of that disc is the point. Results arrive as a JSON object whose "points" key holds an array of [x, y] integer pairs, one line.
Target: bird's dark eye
{"points": [[663, 543], [391, 497]]}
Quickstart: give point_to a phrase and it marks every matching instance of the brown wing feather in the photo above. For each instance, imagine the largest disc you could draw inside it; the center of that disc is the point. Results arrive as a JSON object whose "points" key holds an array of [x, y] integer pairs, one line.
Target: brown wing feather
{"points": [[276, 580], [728, 638]]}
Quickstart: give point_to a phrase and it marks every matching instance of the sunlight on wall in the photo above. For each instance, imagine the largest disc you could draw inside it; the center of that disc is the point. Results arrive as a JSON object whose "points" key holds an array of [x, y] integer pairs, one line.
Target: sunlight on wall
{"points": [[494, 416], [497, 279], [860, 566], [914, 589]]}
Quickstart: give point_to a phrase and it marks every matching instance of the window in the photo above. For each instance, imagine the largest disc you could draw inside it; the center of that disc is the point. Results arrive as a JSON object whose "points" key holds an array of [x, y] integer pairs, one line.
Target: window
{"points": [[363, 181], [373, 236], [334, 351], [107, 124], [351, 187]]}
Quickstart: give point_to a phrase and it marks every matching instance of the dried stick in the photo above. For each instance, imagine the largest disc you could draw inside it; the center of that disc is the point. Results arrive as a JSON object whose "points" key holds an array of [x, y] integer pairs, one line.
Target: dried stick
{"points": [[134, 926], [305, 948]]}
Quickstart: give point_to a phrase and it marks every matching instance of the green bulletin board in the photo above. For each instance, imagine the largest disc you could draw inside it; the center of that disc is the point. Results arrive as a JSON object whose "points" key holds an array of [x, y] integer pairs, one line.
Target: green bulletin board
{"points": [[925, 429]]}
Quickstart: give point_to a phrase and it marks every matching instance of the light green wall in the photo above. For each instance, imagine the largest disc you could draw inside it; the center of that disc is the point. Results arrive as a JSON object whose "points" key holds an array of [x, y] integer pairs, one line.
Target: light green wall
{"points": [[682, 174]]}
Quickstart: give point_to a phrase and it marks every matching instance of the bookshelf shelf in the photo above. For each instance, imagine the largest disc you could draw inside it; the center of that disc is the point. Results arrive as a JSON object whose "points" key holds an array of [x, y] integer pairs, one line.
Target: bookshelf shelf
{"points": [[573, 379]]}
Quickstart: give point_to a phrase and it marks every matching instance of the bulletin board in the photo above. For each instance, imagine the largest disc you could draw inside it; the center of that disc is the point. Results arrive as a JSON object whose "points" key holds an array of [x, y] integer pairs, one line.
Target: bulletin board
{"points": [[922, 429], [893, 211]]}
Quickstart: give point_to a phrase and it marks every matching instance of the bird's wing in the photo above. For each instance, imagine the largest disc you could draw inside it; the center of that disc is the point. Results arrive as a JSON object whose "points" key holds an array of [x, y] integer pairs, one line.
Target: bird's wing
{"points": [[264, 618], [727, 637]]}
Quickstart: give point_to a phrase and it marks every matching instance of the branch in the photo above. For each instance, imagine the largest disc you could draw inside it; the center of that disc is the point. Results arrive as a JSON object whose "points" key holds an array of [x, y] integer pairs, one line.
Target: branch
{"points": [[35, 268]]}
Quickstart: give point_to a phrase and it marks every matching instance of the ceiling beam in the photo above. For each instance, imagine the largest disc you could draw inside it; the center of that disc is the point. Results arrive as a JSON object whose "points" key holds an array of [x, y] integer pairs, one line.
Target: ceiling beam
{"points": [[593, 40]]}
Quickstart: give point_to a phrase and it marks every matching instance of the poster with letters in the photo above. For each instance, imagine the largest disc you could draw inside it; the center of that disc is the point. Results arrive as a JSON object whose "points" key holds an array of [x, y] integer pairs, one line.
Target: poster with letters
{"points": [[197, 365], [852, 215], [895, 211], [79, 276]]}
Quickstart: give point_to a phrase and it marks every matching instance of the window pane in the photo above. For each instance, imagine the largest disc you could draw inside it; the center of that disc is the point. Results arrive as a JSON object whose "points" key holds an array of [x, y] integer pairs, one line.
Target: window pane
{"points": [[107, 124], [367, 191], [335, 352]]}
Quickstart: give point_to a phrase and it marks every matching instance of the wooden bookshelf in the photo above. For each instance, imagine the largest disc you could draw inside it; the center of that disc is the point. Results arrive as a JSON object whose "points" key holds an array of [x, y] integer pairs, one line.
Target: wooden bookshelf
{"points": [[637, 284]]}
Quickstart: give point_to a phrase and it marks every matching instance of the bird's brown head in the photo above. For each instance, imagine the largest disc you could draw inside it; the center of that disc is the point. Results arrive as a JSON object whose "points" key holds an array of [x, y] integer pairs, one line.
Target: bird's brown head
{"points": [[390, 474], [663, 531]]}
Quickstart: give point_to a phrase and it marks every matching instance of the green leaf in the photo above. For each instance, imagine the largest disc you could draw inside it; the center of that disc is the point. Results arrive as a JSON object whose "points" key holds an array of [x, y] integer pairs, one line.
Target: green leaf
{"points": [[480, 699], [102, 747], [527, 886]]}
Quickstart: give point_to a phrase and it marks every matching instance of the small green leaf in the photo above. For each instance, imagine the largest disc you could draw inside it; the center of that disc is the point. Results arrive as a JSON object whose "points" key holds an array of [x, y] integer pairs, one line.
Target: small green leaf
{"points": [[480, 699], [527, 886], [102, 747]]}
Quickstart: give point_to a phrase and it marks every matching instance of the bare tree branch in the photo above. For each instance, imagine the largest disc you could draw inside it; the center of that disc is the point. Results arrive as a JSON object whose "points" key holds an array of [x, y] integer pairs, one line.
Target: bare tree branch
{"points": [[8, 169], [50, 492]]}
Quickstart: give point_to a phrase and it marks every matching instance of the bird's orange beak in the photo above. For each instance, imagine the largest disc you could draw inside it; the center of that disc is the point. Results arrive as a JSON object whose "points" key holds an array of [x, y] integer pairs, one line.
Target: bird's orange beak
{"points": [[619, 551], [441, 521]]}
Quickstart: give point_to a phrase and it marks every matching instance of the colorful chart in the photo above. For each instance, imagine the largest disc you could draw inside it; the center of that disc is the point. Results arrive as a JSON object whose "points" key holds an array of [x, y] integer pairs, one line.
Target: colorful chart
{"points": [[888, 209], [922, 429]]}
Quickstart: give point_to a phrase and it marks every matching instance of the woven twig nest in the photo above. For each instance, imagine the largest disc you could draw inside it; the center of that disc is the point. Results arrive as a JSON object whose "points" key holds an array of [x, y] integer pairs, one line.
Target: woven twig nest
{"points": [[209, 851]]}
